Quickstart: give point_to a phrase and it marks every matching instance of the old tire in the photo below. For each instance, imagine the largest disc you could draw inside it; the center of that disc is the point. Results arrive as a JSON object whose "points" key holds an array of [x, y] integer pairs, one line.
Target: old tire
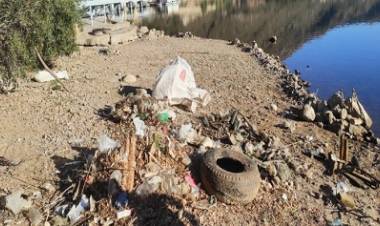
{"points": [[229, 175]]}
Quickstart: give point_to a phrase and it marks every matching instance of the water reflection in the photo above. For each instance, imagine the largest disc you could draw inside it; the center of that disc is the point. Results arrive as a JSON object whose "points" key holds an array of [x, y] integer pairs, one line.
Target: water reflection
{"points": [[293, 21]]}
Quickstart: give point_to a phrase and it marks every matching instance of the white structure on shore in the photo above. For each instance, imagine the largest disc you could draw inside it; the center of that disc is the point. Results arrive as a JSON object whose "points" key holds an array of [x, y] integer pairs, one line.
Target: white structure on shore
{"points": [[110, 8]]}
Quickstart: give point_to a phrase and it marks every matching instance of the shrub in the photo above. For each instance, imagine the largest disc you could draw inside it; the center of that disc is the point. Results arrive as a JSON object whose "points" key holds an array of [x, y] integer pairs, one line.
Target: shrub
{"points": [[27, 25]]}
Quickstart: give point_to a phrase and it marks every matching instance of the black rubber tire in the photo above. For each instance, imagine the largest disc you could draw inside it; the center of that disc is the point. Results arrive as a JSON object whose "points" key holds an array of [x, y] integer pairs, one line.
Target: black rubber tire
{"points": [[230, 187]]}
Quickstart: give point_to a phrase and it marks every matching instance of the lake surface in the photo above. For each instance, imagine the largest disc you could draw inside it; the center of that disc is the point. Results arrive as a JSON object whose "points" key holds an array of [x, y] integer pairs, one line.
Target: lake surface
{"points": [[334, 43]]}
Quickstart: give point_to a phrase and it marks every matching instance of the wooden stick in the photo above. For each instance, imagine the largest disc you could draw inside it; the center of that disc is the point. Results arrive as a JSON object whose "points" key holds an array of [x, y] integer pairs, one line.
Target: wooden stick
{"points": [[125, 163], [131, 163]]}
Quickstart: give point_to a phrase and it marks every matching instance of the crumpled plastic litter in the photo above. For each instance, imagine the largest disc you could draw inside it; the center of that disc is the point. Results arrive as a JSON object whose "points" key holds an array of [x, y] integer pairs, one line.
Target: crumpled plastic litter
{"points": [[336, 222], [176, 83], [190, 180], [16, 203], [146, 188], [139, 126], [187, 134], [165, 115], [61, 210], [123, 214], [76, 211], [45, 76], [106, 144], [341, 187]]}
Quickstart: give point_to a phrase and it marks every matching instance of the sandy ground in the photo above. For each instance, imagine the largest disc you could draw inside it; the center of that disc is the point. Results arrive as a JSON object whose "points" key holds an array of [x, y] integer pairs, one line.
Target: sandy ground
{"points": [[38, 124]]}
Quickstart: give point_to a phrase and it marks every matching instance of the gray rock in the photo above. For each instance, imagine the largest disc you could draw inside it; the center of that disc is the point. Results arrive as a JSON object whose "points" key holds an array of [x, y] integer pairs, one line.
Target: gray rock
{"points": [[16, 203], [143, 30], [289, 125], [336, 100], [308, 113], [274, 107], [330, 118], [357, 131], [343, 113], [355, 121], [283, 171], [129, 79], [356, 109]]}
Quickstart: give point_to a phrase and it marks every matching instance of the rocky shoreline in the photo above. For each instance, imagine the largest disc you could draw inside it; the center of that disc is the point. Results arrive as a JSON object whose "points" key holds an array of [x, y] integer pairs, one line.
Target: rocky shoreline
{"points": [[337, 114]]}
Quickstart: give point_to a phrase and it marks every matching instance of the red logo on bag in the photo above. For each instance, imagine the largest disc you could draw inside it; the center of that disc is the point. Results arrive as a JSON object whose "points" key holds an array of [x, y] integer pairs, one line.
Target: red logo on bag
{"points": [[182, 75]]}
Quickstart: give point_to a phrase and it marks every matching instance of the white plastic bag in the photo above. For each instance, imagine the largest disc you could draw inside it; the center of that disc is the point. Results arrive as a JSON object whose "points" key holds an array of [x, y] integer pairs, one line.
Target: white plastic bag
{"points": [[176, 83], [139, 126], [45, 76], [106, 144]]}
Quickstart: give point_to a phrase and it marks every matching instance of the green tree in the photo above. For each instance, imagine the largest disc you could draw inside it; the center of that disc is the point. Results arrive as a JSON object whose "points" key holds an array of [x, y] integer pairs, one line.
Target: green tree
{"points": [[47, 26]]}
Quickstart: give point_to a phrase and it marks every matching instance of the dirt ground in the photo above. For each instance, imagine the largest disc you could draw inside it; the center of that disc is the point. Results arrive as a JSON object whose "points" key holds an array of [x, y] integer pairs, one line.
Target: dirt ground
{"points": [[38, 124]]}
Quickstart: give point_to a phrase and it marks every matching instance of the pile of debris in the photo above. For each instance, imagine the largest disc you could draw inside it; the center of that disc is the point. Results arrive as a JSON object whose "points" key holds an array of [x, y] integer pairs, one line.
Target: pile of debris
{"points": [[157, 143], [152, 152]]}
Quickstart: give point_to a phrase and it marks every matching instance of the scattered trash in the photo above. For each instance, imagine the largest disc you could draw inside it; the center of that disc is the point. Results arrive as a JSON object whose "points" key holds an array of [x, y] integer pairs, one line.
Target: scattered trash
{"points": [[61, 210], [176, 83], [336, 222], [106, 144], [123, 214], [188, 134], [145, 189], [16, 202], [163, 117], [194, 187], [346, 199], [139, 126], [92, 204], [341, 187], [224, 174], [45, 76], [76, 211], [121, 200]]}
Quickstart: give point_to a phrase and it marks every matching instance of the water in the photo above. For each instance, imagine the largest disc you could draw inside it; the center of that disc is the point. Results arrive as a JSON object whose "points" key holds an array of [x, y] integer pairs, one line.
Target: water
{"points": [[334, 43], [344, 58]]}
